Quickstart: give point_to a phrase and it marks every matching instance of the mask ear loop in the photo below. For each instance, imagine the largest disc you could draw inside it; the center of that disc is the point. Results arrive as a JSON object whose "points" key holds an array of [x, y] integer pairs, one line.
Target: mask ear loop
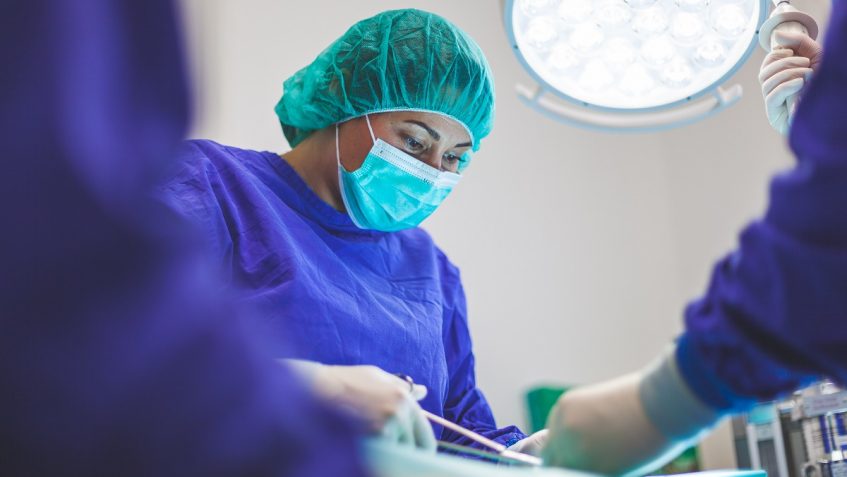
{"points": [[337, 151], [368, 120], [341, 169]]}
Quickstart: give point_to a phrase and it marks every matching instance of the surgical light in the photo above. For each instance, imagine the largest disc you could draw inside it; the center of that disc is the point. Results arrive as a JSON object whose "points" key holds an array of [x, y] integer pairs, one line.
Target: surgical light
{"points": [[634, 65]]}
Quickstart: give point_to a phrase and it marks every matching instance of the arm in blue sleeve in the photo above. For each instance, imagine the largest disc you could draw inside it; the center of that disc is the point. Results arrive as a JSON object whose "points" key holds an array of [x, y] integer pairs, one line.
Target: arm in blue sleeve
{"points": [[465, 403], [191, 190], [775, 314], [116, 355]]}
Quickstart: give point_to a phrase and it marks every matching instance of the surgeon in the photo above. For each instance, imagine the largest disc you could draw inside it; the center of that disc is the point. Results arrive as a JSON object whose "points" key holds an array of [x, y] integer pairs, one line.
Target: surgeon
{"points": [[774, 317], [323, 242]]}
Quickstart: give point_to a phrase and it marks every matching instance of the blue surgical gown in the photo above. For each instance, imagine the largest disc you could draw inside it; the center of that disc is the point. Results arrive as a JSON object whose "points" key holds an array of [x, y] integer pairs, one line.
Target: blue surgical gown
{"points": [[336, 293], [115, 357], [774, 317]]}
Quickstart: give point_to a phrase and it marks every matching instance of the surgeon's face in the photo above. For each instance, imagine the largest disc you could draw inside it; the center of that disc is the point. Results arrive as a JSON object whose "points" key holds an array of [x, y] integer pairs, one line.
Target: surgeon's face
{"points": [[431, 138]]}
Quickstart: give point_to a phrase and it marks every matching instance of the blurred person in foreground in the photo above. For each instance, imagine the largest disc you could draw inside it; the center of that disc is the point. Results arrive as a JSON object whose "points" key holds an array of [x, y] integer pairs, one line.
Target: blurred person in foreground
{"points": [[117, 354]]}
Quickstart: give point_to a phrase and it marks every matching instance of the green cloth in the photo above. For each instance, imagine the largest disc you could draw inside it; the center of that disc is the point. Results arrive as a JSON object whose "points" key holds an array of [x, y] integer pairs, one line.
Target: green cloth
{"points": [[539, 402], [396, 60]]}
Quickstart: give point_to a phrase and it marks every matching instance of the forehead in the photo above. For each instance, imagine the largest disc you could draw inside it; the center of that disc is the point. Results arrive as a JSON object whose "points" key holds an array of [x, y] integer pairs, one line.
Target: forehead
{"points": [[445, 126]]}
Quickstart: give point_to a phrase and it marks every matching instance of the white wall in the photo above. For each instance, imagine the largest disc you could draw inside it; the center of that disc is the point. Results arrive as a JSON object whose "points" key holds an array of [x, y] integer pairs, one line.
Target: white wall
{"points": [[578, 249]]}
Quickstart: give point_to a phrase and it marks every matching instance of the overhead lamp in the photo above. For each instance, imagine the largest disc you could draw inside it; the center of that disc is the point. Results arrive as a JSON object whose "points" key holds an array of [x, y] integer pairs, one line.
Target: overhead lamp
{"points": [[632, 65]]}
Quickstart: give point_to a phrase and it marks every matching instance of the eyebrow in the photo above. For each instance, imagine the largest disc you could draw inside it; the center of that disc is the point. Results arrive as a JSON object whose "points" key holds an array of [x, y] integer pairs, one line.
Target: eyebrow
{"points": [[433, 132]]}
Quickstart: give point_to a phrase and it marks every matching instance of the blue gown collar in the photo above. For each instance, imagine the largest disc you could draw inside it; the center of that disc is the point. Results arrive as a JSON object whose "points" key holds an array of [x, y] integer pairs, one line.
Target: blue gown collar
{"points": [[309, 204]]}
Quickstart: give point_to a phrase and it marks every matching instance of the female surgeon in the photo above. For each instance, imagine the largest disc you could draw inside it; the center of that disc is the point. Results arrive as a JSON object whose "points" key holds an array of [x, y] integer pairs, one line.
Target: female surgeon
{"points": [[323, 244]]}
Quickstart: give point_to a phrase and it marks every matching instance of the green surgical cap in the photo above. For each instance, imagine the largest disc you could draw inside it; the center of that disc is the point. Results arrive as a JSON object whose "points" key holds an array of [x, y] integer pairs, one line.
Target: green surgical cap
{"points": [[396, 60]]}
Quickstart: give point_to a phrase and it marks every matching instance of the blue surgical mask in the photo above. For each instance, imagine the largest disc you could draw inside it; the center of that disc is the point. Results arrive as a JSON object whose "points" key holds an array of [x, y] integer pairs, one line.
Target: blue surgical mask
{"points": [[392, 190]]}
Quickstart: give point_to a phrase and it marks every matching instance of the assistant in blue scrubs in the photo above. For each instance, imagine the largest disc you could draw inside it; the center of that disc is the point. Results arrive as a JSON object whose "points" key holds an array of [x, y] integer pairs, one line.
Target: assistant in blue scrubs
{"points": [[775, 315], [116, 356]]}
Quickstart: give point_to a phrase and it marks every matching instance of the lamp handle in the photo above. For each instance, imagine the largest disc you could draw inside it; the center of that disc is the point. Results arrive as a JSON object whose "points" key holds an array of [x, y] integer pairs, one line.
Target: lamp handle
{"points": [[628, 122]]}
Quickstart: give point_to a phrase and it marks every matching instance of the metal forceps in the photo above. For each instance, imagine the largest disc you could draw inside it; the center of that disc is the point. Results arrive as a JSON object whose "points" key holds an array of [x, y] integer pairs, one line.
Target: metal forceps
{"points": [[501, 451]]}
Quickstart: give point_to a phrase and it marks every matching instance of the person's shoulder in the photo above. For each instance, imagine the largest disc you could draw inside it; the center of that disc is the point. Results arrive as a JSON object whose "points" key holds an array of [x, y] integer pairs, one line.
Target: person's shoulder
{"points": [[194, 158], [449, 270], [419, 238], [201, 161], [205, 152]]}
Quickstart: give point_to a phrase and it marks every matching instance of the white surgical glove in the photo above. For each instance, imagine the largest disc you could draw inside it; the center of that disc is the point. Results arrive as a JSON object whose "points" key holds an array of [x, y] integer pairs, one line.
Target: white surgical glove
{"points": [[386, 403], [629, 425], [532, 444], [783, 74]]}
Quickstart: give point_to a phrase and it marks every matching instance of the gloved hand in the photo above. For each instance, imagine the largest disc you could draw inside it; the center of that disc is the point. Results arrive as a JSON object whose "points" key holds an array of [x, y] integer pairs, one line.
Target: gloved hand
{"points": [[783, 74], [385, 402], [629, 425], [532, 445]]}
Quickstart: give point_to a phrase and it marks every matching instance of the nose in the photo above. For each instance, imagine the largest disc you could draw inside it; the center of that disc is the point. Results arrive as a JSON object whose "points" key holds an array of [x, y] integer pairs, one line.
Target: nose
{"points": [[432, 159]]}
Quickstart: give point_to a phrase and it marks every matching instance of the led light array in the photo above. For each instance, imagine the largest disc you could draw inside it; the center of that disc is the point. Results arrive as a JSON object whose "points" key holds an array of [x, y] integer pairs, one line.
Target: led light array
{"points": [[633, 54]]}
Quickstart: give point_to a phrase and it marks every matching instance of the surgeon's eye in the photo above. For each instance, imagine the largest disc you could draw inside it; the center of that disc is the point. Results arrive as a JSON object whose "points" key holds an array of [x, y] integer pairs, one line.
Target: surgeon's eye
{"points": [[413, 145], [450, 162]]}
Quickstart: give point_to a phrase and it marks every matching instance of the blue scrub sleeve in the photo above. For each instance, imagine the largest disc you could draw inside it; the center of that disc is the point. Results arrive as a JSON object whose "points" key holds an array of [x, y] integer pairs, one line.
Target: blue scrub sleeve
{"points": [[116, 355], [195, 192], [465, 404], [775, 315]]}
